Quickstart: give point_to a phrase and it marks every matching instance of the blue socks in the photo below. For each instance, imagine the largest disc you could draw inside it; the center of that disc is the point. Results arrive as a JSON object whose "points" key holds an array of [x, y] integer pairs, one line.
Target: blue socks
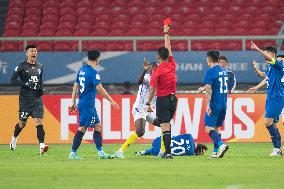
{"points": [[216, 146], [98, 140], [274, 136], [77, 141], [279, 137], [216, 139]]}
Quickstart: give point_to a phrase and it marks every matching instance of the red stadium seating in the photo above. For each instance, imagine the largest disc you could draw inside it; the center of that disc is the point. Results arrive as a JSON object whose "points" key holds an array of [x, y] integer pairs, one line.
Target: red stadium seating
{"points": [[138, 18]]}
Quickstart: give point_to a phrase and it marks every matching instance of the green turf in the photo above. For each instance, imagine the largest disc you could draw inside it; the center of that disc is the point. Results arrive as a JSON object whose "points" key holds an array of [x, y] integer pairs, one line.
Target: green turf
{"points": [[244, 166]]}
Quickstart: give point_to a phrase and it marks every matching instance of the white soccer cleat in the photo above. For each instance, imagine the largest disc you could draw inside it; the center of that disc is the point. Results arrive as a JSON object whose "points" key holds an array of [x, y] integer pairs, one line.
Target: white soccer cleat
{"points": [[223, 149], [160, 154], [119, 154], [214, 155], [43, 149], [276, 152], [13, 143]]}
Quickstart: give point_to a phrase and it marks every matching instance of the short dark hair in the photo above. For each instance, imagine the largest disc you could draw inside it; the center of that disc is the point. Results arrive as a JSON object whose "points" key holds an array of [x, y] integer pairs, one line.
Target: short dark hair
{"points": [[223, 58], [164, 53], [93, 55], [280, 56], [30, 47], [213, 55], [271, 49]]}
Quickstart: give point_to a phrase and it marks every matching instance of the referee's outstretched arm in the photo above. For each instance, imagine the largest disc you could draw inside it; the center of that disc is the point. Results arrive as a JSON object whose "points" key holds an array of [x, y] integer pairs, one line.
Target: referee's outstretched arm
{"points": [[167, 39]]}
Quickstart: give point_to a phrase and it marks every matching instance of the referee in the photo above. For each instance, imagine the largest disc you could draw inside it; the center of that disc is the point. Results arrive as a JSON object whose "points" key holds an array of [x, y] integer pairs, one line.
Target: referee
{"points": [[163, 82], [30, 101]]}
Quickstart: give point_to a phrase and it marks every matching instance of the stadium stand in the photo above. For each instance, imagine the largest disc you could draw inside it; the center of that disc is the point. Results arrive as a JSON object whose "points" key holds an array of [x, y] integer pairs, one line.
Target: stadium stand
{"points": [[136, 18]]}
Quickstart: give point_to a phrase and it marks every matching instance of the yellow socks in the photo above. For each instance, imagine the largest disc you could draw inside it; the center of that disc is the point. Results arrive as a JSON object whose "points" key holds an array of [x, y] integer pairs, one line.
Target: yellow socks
{"points": [[163, 149], [131, 139]]}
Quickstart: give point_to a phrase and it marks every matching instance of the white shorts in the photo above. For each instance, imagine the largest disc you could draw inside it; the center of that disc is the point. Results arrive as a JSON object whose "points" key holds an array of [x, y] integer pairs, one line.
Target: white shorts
{"points": [[143, 114]]}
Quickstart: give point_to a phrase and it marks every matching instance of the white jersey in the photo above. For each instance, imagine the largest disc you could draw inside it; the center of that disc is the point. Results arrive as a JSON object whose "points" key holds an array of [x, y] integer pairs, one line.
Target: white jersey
{"points": [[142, 95]]}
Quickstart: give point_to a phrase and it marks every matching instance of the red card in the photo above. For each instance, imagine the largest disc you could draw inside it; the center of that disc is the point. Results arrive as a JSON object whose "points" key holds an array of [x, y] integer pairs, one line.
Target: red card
{"points": [[167, 21]]}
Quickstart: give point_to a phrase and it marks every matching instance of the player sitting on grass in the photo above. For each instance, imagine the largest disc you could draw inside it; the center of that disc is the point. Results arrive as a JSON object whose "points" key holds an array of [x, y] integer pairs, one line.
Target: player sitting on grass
{"points": [[275, 95], [181, 145], [139, 110]]}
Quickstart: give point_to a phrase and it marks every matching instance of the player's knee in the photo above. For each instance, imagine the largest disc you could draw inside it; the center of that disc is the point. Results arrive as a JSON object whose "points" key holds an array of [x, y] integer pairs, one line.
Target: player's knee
{"points": [[156, 122], [22, 124], [98, 128], [268, 121], [140, 132], [208, 129], [39, 121], [165, 126]]}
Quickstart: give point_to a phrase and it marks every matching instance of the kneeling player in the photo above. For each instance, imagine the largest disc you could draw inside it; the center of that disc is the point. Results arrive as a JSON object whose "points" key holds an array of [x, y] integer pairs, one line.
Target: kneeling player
{"points": [[181, 145], [139, 110]]}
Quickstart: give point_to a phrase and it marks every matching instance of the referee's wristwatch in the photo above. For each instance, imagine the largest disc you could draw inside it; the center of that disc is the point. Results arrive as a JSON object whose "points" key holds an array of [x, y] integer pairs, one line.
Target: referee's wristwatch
{"points": [[148, 103]]}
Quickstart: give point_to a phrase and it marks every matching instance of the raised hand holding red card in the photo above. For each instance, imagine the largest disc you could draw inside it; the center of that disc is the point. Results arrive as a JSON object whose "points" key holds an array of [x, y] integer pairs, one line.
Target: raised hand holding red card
{"points": [[167, 22]]}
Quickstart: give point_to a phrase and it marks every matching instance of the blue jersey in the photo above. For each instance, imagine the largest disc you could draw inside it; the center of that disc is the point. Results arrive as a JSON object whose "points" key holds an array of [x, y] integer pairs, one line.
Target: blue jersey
{"points": [[217, 77], [274, 82], [88, 79], [181, 145]]}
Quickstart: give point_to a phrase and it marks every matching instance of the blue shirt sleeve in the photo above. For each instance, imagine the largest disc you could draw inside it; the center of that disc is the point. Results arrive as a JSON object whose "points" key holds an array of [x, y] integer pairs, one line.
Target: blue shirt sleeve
{"points": [[279, 64], [96, 79], [208, 77]]}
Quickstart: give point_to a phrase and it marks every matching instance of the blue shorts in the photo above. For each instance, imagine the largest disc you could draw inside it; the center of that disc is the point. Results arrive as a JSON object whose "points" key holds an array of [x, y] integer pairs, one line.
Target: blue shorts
{"points": [[88, 117], [216, 118], [273, 108]]}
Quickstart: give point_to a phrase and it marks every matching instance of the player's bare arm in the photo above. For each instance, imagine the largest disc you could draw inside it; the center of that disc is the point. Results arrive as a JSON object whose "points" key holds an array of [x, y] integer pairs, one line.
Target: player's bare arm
{"points": [[267, 57], [101, 90], [254, 89], [146, 68], [208, 90], [74, 96], [150, 97], [257, 70], [167, 39]]}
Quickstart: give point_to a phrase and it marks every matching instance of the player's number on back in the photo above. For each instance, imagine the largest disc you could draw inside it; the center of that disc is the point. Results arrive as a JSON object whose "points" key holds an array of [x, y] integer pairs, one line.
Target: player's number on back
{"points": [[82, 85], [223, 85], [178, 147]]}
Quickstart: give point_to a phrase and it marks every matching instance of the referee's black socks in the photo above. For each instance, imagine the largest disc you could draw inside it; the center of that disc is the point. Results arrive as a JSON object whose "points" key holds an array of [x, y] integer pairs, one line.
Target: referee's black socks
{"points": [[167, 141], [40, 133], [17, 130]]}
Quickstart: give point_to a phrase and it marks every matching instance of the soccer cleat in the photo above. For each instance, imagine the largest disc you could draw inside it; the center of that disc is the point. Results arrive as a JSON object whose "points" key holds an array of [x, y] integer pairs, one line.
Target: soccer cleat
{"points": [[276, 152], [74, 155], [119, 154], [214, 155], [161, 153], [104, 155], [141, 153], [167, 156], [223, 149], [13, 143], [43, 149]]}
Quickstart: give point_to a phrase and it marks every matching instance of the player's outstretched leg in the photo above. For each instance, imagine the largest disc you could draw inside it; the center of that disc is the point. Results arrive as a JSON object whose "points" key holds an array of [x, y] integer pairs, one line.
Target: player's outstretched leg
{"points": [[43, 148], [130, 140], [76, 143], [14, 138]]}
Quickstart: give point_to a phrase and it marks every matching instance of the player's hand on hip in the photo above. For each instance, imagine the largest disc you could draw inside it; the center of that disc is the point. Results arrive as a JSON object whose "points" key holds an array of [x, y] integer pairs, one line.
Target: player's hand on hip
{"points": [[208, 110], [115, 105], [149, 108], [252, 90], [73, 108]]}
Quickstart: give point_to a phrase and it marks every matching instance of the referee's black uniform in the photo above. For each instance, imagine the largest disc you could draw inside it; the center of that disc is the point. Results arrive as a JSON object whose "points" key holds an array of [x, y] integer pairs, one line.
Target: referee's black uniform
{"points": [[30, 101]]}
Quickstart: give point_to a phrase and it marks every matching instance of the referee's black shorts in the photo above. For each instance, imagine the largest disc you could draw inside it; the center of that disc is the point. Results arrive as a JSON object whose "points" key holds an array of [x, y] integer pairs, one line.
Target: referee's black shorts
{"points": [[30, 108], [165, 108]]}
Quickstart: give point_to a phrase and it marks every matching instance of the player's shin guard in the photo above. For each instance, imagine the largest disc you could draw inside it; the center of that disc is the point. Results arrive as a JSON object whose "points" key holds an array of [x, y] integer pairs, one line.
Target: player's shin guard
{"points": [[17, 130], [77, 141], [98, 140], [215, 137], [167, 141], [274, 136], [130, 140], [40, 133]]}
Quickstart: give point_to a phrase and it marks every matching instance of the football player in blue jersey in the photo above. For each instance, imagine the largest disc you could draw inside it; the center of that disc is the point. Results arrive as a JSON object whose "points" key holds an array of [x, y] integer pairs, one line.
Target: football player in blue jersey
{"points": [[86, 84], [275, 94], [216, 102], [181, 145], [223, 62]]}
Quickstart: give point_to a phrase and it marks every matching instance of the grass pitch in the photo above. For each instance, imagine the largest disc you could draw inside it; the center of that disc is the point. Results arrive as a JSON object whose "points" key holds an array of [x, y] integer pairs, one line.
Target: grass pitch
{"points": [[244, 166]]}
